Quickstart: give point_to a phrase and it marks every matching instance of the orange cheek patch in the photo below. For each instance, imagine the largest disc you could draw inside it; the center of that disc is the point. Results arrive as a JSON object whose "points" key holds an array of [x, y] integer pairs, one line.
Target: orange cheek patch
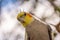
{"points": [[29, 15]]}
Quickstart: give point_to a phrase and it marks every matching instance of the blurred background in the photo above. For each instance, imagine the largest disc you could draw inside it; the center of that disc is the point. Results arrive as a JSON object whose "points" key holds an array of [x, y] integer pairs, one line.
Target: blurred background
{"points": [[11, 29]]}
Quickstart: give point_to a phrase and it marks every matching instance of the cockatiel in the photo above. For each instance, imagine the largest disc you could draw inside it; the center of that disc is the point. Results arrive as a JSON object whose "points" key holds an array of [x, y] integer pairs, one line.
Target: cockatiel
{"points": [[36, 30]]}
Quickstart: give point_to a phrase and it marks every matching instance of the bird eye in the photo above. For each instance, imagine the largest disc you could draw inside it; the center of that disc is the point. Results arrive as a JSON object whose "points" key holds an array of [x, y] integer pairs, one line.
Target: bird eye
{"points": [[24, 14]]}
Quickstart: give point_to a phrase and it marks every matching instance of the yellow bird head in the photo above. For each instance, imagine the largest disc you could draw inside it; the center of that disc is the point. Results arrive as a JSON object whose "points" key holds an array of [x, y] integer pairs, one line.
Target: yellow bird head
{"points": [[25, 18]]}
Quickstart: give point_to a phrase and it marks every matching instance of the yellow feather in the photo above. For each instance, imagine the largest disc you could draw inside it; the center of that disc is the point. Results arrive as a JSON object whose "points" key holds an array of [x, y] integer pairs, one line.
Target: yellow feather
{"points": [[27, 19]]}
